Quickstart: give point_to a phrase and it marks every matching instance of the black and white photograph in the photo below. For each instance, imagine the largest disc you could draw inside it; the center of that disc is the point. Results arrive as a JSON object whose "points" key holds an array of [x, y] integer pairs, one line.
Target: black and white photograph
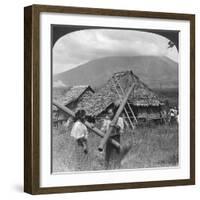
{"points": [[109, 99], [114, 99]]}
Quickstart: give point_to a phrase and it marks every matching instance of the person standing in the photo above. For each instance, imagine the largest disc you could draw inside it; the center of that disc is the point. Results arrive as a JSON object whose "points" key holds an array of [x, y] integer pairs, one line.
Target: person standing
{"points": [[79, 130], [113, 155]]}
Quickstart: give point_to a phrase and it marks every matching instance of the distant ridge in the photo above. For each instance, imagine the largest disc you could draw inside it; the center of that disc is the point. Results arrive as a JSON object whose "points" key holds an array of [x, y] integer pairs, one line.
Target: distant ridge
{"points": [[156, 72]]}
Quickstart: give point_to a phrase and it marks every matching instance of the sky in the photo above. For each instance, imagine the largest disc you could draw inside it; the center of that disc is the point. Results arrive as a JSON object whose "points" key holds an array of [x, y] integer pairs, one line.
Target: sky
{"points": [[79, 47]]}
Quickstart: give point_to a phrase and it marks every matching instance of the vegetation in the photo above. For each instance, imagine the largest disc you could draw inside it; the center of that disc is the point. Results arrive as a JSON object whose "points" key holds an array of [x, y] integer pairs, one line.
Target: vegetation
{"points": [[151, 146]]}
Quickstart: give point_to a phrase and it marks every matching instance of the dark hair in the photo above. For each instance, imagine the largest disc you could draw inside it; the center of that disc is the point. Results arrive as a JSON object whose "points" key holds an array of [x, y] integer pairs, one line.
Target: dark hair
{"points": [[114, 110], [79, 115], [90, 119]]}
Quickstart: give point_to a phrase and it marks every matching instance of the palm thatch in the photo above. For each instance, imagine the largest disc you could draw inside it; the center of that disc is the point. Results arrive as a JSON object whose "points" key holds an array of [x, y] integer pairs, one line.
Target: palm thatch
{"points": [[74, 93], [71, 99], [114, 90]]}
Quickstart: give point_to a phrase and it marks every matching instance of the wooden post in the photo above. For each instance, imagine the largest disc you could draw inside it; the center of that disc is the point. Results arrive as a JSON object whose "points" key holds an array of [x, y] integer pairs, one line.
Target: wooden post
{"points": [[114, 121], [93, 129]]}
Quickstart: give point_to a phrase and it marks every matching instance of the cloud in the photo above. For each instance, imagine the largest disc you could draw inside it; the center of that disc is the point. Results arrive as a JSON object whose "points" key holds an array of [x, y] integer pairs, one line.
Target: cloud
{"points": [[58, 83], [82, 46]]}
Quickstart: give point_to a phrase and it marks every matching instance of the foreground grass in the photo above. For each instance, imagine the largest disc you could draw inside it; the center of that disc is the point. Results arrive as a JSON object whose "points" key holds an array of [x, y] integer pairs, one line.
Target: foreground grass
{"points": [[151, 147]]}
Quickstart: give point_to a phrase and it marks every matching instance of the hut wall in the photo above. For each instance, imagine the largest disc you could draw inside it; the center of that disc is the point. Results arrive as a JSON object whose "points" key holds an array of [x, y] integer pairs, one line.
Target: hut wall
{"points": [[148, 112]]}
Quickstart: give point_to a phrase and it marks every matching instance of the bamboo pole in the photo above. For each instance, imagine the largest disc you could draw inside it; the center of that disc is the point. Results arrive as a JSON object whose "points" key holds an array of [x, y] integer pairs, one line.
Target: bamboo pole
{"points": [[114, 121], [88, 125], [126, 112]]}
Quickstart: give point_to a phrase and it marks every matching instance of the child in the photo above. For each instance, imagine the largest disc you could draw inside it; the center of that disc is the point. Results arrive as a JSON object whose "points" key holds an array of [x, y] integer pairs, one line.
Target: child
{"points": [[79, 130], [113, 155], [112, 158], [119, 127]]}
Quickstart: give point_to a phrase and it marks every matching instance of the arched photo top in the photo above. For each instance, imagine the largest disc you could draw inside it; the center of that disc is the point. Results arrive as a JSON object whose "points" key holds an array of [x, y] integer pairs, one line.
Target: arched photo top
{"points": [[73, 46]]}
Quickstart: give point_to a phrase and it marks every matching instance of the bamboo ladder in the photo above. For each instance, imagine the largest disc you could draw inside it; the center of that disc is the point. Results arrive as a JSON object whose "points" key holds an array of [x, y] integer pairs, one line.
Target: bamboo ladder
{"points": [[126, 112], [127, 102]]}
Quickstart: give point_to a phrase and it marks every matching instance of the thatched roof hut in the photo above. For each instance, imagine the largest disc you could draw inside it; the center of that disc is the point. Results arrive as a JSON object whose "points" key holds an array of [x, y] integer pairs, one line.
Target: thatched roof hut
{"points": [[142, 96], [75, 93], [72, 99]]}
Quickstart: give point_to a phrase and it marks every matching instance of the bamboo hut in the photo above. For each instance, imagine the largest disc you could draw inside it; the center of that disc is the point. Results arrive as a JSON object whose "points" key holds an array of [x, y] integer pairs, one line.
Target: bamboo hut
{"points": [[72, 99], [144, 102]]}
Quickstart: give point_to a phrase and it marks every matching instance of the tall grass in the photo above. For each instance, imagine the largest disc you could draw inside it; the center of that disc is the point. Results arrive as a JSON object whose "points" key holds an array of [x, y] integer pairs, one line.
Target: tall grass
{"points": [[150, 147]]}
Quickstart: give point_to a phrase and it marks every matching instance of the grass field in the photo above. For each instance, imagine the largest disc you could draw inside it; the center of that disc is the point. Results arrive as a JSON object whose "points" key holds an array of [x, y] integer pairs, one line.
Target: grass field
{"points": [[152, 146]]}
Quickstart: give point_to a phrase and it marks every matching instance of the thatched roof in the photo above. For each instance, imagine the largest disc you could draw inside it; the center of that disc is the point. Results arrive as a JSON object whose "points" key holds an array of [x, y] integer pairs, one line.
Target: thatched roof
{"points": [[74, 93], [107, 95]]}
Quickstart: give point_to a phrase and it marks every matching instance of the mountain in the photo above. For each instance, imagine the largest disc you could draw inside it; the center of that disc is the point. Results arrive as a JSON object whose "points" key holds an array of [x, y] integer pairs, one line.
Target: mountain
{"points": [[157, 72]]}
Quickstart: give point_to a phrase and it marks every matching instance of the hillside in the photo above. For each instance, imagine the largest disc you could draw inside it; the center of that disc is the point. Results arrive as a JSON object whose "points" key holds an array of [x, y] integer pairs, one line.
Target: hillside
{"points": [[157, 72]]}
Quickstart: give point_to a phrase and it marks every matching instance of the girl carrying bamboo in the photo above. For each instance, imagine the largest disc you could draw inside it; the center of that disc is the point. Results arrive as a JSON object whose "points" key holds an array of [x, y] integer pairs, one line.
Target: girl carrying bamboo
{"points": [[113, 155]]}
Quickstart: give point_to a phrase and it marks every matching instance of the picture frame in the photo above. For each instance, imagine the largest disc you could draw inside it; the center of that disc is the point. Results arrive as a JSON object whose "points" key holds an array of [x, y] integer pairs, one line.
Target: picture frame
{"points": [[33, 76]]}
